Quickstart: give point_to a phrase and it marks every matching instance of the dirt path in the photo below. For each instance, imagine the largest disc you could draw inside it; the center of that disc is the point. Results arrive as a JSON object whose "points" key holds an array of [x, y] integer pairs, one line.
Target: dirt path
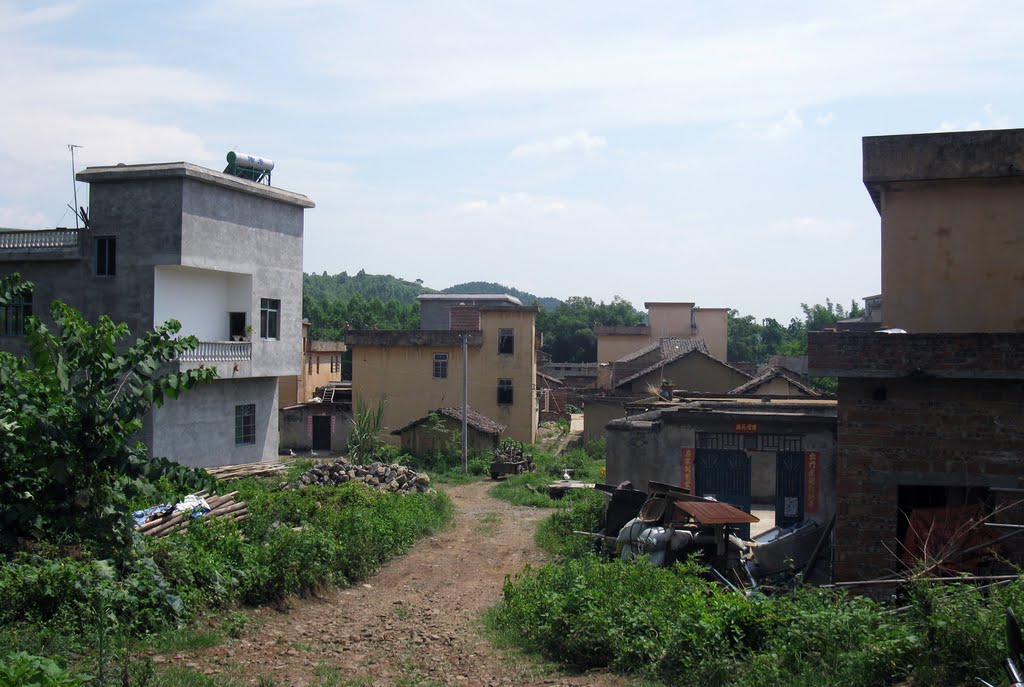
{"points": [[416, 623]]}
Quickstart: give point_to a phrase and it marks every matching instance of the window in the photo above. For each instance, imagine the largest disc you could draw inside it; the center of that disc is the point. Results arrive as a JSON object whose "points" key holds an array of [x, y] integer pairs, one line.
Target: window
{"points": [[245, 424], [506, 341], [309, 365], [270, 318], [504, 392], [106, 256], [14, 314], [335, 364], [440, 366], [318, 364]]}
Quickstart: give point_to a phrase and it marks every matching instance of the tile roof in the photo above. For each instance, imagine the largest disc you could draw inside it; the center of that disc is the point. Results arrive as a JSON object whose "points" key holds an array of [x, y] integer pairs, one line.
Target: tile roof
{"points": [[669, 345], [474, 419], [770, 373], [666, 361]]}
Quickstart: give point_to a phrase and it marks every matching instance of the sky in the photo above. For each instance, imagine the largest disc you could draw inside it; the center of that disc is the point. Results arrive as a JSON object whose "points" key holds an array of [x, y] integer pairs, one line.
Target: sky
{"points": [[656, 151]]}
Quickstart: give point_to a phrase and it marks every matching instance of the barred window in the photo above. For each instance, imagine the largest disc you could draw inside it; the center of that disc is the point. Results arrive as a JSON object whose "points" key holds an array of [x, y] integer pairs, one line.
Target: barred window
{"points": [[440, 366], [245, 424], [506, 341], [14, 314], [505, 392]]}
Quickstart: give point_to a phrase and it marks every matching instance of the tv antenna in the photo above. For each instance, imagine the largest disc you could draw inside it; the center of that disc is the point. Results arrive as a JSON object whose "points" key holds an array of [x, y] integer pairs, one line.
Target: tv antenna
{"points": [[74, 187]]}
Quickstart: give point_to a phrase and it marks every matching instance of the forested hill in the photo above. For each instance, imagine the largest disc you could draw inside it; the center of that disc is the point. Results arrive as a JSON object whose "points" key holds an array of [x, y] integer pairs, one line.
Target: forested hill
{"points": [[384, 287], [547, 303]]}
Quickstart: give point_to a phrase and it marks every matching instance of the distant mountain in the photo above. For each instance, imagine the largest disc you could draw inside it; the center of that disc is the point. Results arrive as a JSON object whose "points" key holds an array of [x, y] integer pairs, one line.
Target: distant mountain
{"points": [[384, 287], [491, 287]]}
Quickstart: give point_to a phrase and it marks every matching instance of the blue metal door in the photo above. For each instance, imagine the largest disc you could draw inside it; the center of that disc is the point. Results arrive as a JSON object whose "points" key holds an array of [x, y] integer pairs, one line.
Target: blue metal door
{"points": [[725, 475], [789, 488]]}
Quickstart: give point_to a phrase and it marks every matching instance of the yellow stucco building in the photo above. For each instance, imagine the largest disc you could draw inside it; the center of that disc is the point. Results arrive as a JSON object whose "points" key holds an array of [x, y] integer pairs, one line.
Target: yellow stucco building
{"points": [[666, 320], [416, 371]]}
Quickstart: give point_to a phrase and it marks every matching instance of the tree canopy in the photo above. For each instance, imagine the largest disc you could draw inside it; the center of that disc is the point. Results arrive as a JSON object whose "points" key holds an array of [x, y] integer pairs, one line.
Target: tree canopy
{"points": [[753, 341], [569, 329], [69, 462]]}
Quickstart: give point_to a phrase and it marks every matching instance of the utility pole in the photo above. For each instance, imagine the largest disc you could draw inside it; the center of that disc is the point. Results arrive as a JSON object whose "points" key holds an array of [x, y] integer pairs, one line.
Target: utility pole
{"points": [[465, 402], [74, 186]]}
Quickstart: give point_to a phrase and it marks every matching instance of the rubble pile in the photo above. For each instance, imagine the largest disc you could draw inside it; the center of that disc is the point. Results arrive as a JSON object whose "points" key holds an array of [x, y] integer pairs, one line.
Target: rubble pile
{"points": [[393, 478]]}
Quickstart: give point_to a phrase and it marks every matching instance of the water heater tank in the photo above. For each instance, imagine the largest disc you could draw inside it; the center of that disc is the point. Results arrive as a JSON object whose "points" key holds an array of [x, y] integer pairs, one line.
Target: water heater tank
{"points": [[250, 161]]}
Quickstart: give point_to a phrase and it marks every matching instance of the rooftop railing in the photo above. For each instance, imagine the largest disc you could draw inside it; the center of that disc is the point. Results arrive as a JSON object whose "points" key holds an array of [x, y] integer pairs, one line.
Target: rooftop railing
{"points": [[218, 351], [44, 239]]}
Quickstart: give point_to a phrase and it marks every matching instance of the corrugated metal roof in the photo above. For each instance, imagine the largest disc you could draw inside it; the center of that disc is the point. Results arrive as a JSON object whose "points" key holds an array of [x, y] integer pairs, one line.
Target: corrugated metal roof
{"points": [[715, 513]]}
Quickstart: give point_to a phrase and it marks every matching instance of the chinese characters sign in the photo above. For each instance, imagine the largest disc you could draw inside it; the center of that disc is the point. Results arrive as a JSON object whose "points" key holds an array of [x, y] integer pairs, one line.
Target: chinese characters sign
{"points": [[687, 480], [812, 468], [748, 427]]}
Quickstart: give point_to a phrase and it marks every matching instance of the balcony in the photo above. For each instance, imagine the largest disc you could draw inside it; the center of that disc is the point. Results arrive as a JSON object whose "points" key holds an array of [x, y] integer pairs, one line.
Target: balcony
{"points": [[218, 352], [45, 244]]}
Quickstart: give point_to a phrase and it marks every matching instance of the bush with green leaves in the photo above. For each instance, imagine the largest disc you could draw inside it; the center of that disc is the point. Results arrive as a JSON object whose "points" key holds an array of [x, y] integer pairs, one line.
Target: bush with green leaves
{"points": [[21, 669], [675, 626], [69, 466]]}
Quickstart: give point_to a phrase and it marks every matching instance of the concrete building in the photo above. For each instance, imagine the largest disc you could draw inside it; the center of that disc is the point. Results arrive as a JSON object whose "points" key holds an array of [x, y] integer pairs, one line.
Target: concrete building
{"points": [[740, 450], [933, 417], [415, 371], [221, 255], [666, 320], [320, 365]]}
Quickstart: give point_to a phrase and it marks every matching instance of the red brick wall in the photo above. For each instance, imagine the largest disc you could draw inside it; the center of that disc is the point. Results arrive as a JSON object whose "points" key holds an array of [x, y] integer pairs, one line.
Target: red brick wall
{"points": [[926, 431]]}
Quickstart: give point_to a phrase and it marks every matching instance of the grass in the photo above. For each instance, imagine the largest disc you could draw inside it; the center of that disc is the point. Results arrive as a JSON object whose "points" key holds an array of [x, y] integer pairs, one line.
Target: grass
{"points": [[530, 488]]}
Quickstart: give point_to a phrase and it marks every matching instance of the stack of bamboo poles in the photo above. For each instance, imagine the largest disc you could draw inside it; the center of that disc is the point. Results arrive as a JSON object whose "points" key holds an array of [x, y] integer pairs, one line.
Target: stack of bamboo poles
{"points": [[264, 469], [220, 507]]}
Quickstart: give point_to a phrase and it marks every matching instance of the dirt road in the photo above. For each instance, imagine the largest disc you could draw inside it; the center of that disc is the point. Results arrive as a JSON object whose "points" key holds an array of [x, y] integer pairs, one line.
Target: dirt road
{"points": [[416, 623]]}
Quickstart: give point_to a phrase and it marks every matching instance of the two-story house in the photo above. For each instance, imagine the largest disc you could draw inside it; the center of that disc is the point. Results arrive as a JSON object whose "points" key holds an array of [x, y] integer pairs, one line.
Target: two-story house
{"points": [[220, 254], [416, 371]]}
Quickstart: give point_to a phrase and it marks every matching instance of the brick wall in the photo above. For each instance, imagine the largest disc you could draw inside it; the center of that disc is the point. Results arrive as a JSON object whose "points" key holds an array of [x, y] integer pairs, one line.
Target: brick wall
{"points": [[917, 431], [857, 354]]}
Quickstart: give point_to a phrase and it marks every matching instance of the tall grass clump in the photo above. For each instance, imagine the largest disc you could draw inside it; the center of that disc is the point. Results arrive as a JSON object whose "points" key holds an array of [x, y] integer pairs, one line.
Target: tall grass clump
{"points": [[674, 626]]}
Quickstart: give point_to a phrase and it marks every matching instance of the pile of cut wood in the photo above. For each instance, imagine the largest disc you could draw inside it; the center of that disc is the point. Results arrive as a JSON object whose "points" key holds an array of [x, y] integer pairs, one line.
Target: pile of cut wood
{"points": [[262, 469], [220, 507]]}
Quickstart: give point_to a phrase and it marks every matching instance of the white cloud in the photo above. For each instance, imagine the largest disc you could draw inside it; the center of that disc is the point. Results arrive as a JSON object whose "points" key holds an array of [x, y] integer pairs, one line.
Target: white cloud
{"points": [[580, 142], [775, 130], [22, 218], [990, 121], [513, 205], [12, 21], [825, 119]]}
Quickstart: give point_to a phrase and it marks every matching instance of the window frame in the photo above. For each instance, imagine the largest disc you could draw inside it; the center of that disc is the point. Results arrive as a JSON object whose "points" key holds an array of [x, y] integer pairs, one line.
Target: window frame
{"points": [[245, 424], [270, 318], [106, 256], [14, 315], [441, 361], [506, 392], [506, 340]]}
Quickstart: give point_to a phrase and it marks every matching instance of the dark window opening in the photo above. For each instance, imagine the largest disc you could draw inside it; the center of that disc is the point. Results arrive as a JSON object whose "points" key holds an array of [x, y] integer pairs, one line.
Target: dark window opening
{"points": [[14, 314], [318, 364], [270, 318], [335, 365], [506, 341], [106, 256], [911, 497], [440, 366], [879, 393], [505, 392], [245, 424], [236, 325]]}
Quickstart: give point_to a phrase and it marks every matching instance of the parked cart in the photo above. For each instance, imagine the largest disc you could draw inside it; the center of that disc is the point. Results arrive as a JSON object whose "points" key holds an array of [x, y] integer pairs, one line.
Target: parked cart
{"points": [[511, 459]]}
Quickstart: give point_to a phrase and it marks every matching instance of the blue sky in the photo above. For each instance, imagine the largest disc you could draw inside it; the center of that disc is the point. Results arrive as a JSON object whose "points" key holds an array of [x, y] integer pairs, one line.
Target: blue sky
{"points": [[705, 152]]}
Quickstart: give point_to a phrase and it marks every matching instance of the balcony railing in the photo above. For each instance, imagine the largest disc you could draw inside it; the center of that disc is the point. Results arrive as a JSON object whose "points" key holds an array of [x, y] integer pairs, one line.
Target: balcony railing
{"points": [[218, 351], [45, 239]]}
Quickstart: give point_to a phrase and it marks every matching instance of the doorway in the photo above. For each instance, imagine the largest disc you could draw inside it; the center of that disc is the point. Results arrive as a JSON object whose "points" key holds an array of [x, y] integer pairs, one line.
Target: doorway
{"points": [[321, 433]]}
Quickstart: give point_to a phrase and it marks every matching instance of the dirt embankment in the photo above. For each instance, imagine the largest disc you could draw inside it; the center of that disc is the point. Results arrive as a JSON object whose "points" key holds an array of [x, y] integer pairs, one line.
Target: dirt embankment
{"points": [[415, 623]]}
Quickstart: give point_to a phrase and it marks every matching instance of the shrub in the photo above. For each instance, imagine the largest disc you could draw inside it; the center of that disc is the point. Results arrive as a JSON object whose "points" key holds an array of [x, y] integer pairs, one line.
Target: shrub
{"points": [[21, 669]]}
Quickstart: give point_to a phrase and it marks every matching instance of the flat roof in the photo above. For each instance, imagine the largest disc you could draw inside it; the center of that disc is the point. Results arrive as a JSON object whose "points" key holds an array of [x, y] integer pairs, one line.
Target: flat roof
{"points": [[170, 170], [493, 297], [991, 154]]}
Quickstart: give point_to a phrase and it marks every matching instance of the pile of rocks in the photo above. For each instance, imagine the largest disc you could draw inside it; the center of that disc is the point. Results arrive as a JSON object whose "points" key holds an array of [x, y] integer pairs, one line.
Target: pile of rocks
{"points": [[394, 477]]}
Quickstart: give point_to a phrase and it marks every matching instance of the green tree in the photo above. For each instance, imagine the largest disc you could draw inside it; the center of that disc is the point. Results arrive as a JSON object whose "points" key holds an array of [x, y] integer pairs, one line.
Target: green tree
{"points": [[569, 329], [69, 466]]}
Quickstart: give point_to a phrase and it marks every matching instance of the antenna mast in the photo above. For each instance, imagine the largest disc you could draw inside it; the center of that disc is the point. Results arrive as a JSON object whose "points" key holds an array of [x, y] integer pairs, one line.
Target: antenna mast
{"points": [[74, 187]]}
